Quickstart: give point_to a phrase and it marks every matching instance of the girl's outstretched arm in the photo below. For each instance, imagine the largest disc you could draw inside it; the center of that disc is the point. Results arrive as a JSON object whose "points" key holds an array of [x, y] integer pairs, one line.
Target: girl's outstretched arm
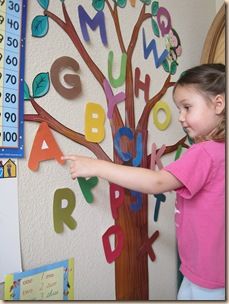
{"points": [[137, 179]]}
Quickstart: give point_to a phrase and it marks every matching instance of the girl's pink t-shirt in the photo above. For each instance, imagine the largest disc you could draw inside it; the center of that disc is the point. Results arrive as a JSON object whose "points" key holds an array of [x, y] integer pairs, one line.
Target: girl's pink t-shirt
{"points": [[200, 213]]}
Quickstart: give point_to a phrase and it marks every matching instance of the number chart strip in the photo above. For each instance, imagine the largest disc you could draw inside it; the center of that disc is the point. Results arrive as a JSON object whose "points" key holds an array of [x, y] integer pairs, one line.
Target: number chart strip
{"points": [[12, 61]]}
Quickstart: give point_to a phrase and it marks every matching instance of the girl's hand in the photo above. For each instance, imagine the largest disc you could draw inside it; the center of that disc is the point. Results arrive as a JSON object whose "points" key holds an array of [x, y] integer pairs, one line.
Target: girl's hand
{"points": [[80, 166]]}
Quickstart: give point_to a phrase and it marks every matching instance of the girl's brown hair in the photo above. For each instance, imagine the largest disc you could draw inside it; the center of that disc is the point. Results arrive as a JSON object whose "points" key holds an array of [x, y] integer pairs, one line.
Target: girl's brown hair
{"points": [[210, 80]]}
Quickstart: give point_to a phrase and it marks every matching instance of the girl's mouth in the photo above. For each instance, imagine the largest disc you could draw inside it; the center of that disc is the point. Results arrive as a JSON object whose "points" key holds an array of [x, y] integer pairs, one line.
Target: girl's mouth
{"points": [[185, 129]]}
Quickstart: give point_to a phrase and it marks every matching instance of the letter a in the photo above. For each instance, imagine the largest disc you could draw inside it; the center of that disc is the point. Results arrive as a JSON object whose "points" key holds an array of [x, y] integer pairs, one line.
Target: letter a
{"points": [[38, 153]]}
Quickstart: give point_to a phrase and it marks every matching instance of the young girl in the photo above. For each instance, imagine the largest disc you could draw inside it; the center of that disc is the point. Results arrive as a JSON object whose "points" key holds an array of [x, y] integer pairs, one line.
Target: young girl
{"points": [[198, 177]]}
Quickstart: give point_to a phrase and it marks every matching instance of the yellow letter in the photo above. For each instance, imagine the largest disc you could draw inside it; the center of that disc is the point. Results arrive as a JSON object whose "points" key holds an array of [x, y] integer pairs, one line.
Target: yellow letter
{"points": [[94, 123], [161, 105]]}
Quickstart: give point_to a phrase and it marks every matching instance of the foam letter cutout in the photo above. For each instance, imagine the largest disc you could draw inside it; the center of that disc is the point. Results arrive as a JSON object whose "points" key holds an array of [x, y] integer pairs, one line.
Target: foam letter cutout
{"points": [[147, 246], [113, 255], [112, 99], [122, 76], [138, 204], [71, 79], [155, 156], [116, 199], [152, 46], [38, 153], [161, 105], [98, 20], [163, 14], [86, 185], [94, 123], [140, 85], [139, 151], [159, 198], [63, 215], [125, 156]]}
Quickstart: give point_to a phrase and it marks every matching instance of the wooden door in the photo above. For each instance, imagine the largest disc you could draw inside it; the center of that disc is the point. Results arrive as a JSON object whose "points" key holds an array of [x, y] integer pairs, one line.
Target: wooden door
{"points": [[214, 45]]}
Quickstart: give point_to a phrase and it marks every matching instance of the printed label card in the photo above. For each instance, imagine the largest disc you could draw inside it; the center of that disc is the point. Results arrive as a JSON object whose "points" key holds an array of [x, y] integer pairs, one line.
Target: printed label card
{"points": [[51, 282]]}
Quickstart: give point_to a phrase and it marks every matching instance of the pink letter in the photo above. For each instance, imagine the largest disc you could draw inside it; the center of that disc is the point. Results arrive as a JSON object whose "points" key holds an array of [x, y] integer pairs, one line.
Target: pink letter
{"points": [[155, 156]]}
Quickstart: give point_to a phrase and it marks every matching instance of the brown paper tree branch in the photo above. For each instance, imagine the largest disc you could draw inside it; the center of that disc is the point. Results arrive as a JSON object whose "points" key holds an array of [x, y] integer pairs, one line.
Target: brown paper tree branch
{"points": [[43, 116]]}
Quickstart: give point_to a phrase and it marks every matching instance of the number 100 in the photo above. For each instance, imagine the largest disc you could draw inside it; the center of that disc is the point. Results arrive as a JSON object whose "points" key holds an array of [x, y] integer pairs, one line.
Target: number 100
{"points": [[8, 136]]}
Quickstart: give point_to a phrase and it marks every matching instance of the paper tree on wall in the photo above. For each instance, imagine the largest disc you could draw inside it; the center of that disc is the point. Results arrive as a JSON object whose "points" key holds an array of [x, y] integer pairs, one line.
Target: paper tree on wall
{"points": [[130, 136]]}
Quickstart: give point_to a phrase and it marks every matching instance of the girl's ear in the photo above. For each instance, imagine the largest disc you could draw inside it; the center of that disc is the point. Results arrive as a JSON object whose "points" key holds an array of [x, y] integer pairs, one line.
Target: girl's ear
{"points": [[219, 102]]}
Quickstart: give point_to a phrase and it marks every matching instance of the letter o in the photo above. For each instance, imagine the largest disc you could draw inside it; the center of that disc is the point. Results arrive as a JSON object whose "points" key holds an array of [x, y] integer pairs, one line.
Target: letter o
{"points": [[161, 105]]}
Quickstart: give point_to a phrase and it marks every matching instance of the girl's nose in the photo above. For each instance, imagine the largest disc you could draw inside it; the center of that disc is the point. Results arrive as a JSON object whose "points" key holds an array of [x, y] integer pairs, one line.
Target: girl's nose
{"points": [[181, 117]]}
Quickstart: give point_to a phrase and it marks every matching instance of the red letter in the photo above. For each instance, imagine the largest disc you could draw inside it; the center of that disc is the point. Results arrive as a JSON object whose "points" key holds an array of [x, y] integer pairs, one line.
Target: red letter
{"points": [[147, 246], [112, 255], [116, 201], [144, 86]]}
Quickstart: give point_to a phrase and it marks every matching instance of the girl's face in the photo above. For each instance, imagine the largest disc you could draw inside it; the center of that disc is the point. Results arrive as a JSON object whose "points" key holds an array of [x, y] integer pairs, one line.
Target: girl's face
{"points": [[199, 115]]}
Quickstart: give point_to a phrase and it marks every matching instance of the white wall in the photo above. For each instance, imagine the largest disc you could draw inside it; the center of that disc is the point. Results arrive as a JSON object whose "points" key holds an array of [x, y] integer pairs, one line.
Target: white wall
{"points": [[94, 277], [219, 3]]}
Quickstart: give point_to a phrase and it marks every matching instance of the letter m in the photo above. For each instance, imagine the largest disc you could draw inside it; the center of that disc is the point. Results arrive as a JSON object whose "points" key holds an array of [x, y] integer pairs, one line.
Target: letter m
{"points": [[98, 20]]}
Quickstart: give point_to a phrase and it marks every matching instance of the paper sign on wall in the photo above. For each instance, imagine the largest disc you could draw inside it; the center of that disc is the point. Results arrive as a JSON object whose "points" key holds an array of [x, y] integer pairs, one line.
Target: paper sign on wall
{"points": [[12, 55], [51, 282]]}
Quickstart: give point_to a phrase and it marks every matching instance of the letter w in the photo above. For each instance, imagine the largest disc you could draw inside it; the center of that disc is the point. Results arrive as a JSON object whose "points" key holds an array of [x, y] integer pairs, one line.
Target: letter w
{"points": [[152, 46], [98, 20]]}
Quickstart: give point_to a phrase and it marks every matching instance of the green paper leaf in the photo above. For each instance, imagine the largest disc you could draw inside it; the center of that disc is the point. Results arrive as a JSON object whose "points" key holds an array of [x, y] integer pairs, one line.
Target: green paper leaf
{"points": [[178, 152], [165, 65], [86, 185], [155, 28], [154, 8], [43, 3], [26, 92], [173, 68], [147, 2], [41, 84], [121, 3], [98, 4], [40, 26]]}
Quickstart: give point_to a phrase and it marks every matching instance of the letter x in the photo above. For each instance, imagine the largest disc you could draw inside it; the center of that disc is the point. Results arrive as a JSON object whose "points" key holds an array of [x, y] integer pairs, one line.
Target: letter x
{"points": [[147, 246]]}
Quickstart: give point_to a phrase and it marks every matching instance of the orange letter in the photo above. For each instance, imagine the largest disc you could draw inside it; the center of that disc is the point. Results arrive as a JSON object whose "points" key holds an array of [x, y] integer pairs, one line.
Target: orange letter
{"points": [[40, 153]]}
